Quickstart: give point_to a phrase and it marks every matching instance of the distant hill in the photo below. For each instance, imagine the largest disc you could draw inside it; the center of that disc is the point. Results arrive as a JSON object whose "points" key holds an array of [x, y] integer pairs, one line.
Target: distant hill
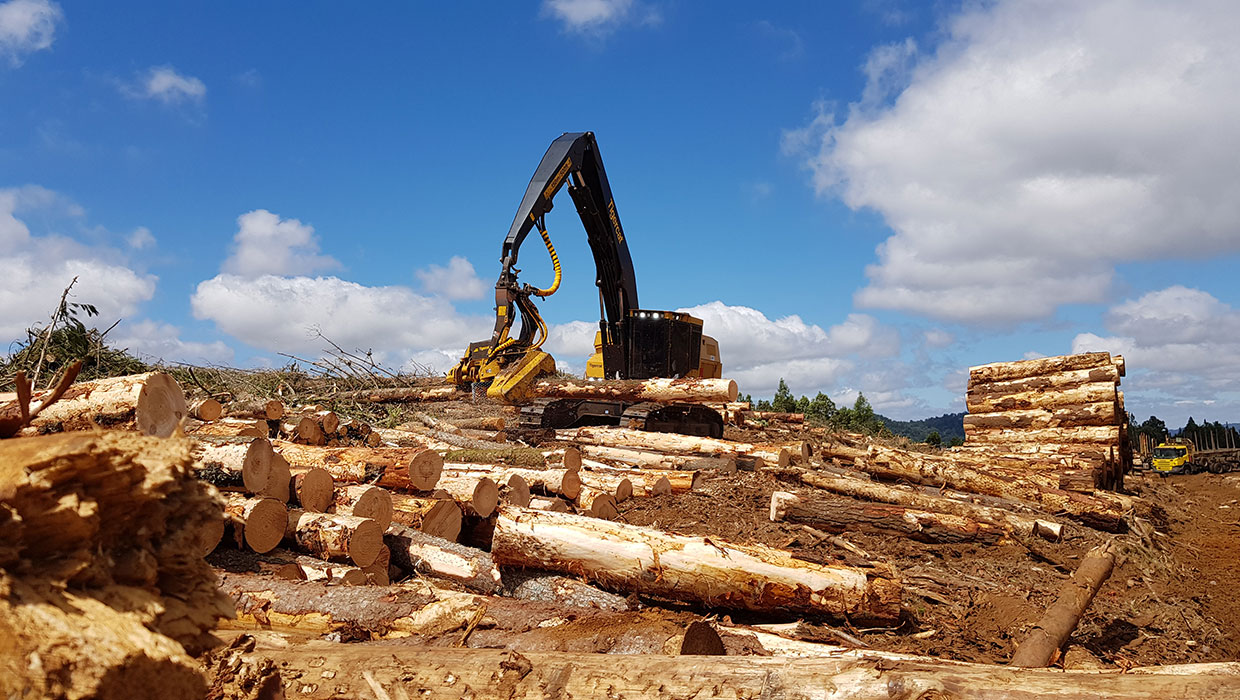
{"points": [[949, 425]]}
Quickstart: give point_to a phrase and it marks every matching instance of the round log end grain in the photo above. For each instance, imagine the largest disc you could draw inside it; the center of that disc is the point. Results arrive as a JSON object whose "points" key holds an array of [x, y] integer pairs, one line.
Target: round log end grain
{"points": [[265, 524], [485, 497], [161, 406], [624, 490], [352, 577], [207, 410], [555, 505], [733, 391], [314, 488], [570, 485], [210, 534], [425, 468], [365, 542], [603, 506], [279, 480], [256, 467], [374, 503], [273, 409], [290, 572], [443, 520], [660, 487], [572, 459], [518, 491]]}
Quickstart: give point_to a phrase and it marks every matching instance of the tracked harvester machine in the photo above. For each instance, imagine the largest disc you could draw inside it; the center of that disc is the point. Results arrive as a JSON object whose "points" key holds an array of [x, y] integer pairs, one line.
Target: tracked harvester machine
{"points": [[631, 343]]}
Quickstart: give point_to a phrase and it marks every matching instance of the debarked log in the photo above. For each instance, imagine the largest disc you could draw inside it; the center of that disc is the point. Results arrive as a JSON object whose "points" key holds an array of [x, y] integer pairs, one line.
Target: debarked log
{"points": [[1099, 413], [440, 517], [658, 460], [151, 403], [1088, 434], [659, 442], [408, 468], [718, 574], [1071, 396], [1005, 371], [841, 515], [685, 390], [334, 537]]}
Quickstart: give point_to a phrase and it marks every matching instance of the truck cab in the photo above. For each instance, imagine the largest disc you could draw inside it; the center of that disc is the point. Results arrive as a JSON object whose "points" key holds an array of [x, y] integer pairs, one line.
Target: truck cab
{"points": [[1173, 458]]}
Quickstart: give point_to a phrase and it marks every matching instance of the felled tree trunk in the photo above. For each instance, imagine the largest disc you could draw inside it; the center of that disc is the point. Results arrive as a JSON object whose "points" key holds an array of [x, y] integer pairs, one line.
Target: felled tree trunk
{"points": [[1048, 399], [652, 482], [685, 390], [1052, 631], [618, 487], [335, 537], [151, 403], [714, 573], [399, 394], [659, 442], [428, 555], [1089, 434], [269, 409], [597, 504], [842, 515], [206, 410], [440, 517], [365, 502], [313, 489], [528, 457], [258, 523], [873, 491], [477, 495], [561, 482], [1100, 413], [777, 416], [1047, 382], [390, 467], [1007, 371], [659, 460]]}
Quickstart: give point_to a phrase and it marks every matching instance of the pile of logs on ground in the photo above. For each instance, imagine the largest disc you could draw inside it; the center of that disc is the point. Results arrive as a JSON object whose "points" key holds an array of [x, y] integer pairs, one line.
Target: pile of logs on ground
{"points": [[1060, 414]]}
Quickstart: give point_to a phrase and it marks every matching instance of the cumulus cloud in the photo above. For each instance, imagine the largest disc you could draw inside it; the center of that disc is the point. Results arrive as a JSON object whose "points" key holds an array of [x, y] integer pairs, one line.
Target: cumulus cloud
{"points": [[162, 342], [1182, 343], [27, 26], [265, 244], [285, 314], [456, 281], [37, 266], [757, 351], [164, 84], [141, 238], [599, 16], [1038, 146]]}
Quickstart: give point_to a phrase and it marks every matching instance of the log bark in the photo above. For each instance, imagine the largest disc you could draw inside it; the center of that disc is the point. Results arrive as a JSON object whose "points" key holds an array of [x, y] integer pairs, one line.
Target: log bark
{"points": [[365, 502], [428, 555], [1055, 398], [653, 482], [151, 403], [551, 482], [390, 467], [257, 523], [872, 491], [334, 537], [440, 517], [477, 494], [710, 572], [842, 515], [1060, 619], [1096, 414], [686, 390], [206, 410], [552, 588], [1006, 371], [529, 457], [226, 427], [399, 394], [1047, 382], [312, 489], [263, 409], [1107, 435], [659, 442], [302, 567], [597, 504], [367, 669], [777, 416], [619, 487], [483, 423], [658, 460]]}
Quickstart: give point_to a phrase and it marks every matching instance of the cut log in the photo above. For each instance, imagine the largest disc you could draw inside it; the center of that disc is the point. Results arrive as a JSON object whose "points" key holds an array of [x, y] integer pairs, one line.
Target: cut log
{"points": [[1060, 619], [483, 423], [313, 489], [651, 482], [553, 588], [478, 495], [428, 555], [514, 456], [302, 567], [777, 416], [440, 517], [515, 491], [229, 463], [259, 523], [556, 505], [871, 491], [1090, 434], [1068, 396], [151, 403], [280, 481], [550, 482], [379, 572], [390, 467], [370, 669], [365, 502], [332, 536], [307, 431], [659, 442], [706, 571], [1006, 371], [1046, 382], [206, 410], [262, 409], [328, 421], [597, 504], [658, 460], [226, 427], [1101, 413], [842, 515], [687, 390], [618, 486], [399, 394]]}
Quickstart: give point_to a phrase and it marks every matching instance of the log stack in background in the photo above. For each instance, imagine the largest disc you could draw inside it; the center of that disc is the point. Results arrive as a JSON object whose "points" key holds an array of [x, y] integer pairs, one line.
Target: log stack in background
{"points": [[1063, 414]]}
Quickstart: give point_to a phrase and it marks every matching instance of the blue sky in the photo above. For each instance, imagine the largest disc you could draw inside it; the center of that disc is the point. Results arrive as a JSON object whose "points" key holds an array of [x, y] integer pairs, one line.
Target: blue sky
{"points": [[867, 196]]}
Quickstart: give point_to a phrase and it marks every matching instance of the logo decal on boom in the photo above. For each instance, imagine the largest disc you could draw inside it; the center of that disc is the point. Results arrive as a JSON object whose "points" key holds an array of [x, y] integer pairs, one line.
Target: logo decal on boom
{"points": [[559, 177], [615, 220]]}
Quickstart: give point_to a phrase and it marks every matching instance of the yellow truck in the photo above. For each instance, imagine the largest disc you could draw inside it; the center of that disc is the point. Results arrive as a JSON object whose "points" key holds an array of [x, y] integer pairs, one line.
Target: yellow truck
{"points": [[1174, 457]]}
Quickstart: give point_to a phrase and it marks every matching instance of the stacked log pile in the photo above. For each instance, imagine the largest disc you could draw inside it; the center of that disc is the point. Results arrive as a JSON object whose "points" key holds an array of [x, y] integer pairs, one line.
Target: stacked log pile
{"points": [[1060, 414]]}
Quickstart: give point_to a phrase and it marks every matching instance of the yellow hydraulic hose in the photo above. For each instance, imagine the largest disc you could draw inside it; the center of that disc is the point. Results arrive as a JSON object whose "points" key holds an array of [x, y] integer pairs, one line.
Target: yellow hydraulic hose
{"points": [[555, 263]]}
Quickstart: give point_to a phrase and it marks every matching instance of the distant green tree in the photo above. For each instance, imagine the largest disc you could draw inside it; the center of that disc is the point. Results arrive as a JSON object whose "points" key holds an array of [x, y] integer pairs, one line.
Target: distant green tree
{"points": [[934, 439], [820, 410], [957, 441], [762, 405], [802, 405], [1155, 428], [783, 401]]}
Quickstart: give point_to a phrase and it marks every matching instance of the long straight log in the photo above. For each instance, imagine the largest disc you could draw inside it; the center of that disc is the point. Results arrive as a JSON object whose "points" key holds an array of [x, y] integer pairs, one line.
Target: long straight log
{"points": [[707, 571], [685, 390], [1005, 371], [399, 394], [653, 482], [426, 554], [151, 403], [842, 515], [1060, 619], [618, 487], [1046, 382], [1089, 434], [333, 536], [1068, 396], [440, 517], [370, 669], [659, 442], [390, 467], [552, 482], [1100, 413], [873, 491], [658, 460]]}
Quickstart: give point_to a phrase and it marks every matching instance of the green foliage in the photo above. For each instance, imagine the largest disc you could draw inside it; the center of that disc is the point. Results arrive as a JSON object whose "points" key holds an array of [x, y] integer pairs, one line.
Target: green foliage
{"points": [[47, 350], [934, 439], [783, 401], [956, 442], [820, 410], [949, 426]]}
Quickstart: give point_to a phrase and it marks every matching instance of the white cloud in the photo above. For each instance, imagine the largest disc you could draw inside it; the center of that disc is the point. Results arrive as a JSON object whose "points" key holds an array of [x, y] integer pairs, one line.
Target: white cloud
{"points": [[27, 26], [36, 267], [162, 341], [1041, 144], [757, 351], [599, 16], [456, 281], [265, 244], [938, 338], [165, 84], [280, 314], [141, 238]]}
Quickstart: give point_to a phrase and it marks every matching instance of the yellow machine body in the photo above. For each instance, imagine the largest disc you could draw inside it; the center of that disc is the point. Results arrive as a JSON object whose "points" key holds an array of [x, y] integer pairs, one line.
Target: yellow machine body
{"points": [[512, 385]]}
